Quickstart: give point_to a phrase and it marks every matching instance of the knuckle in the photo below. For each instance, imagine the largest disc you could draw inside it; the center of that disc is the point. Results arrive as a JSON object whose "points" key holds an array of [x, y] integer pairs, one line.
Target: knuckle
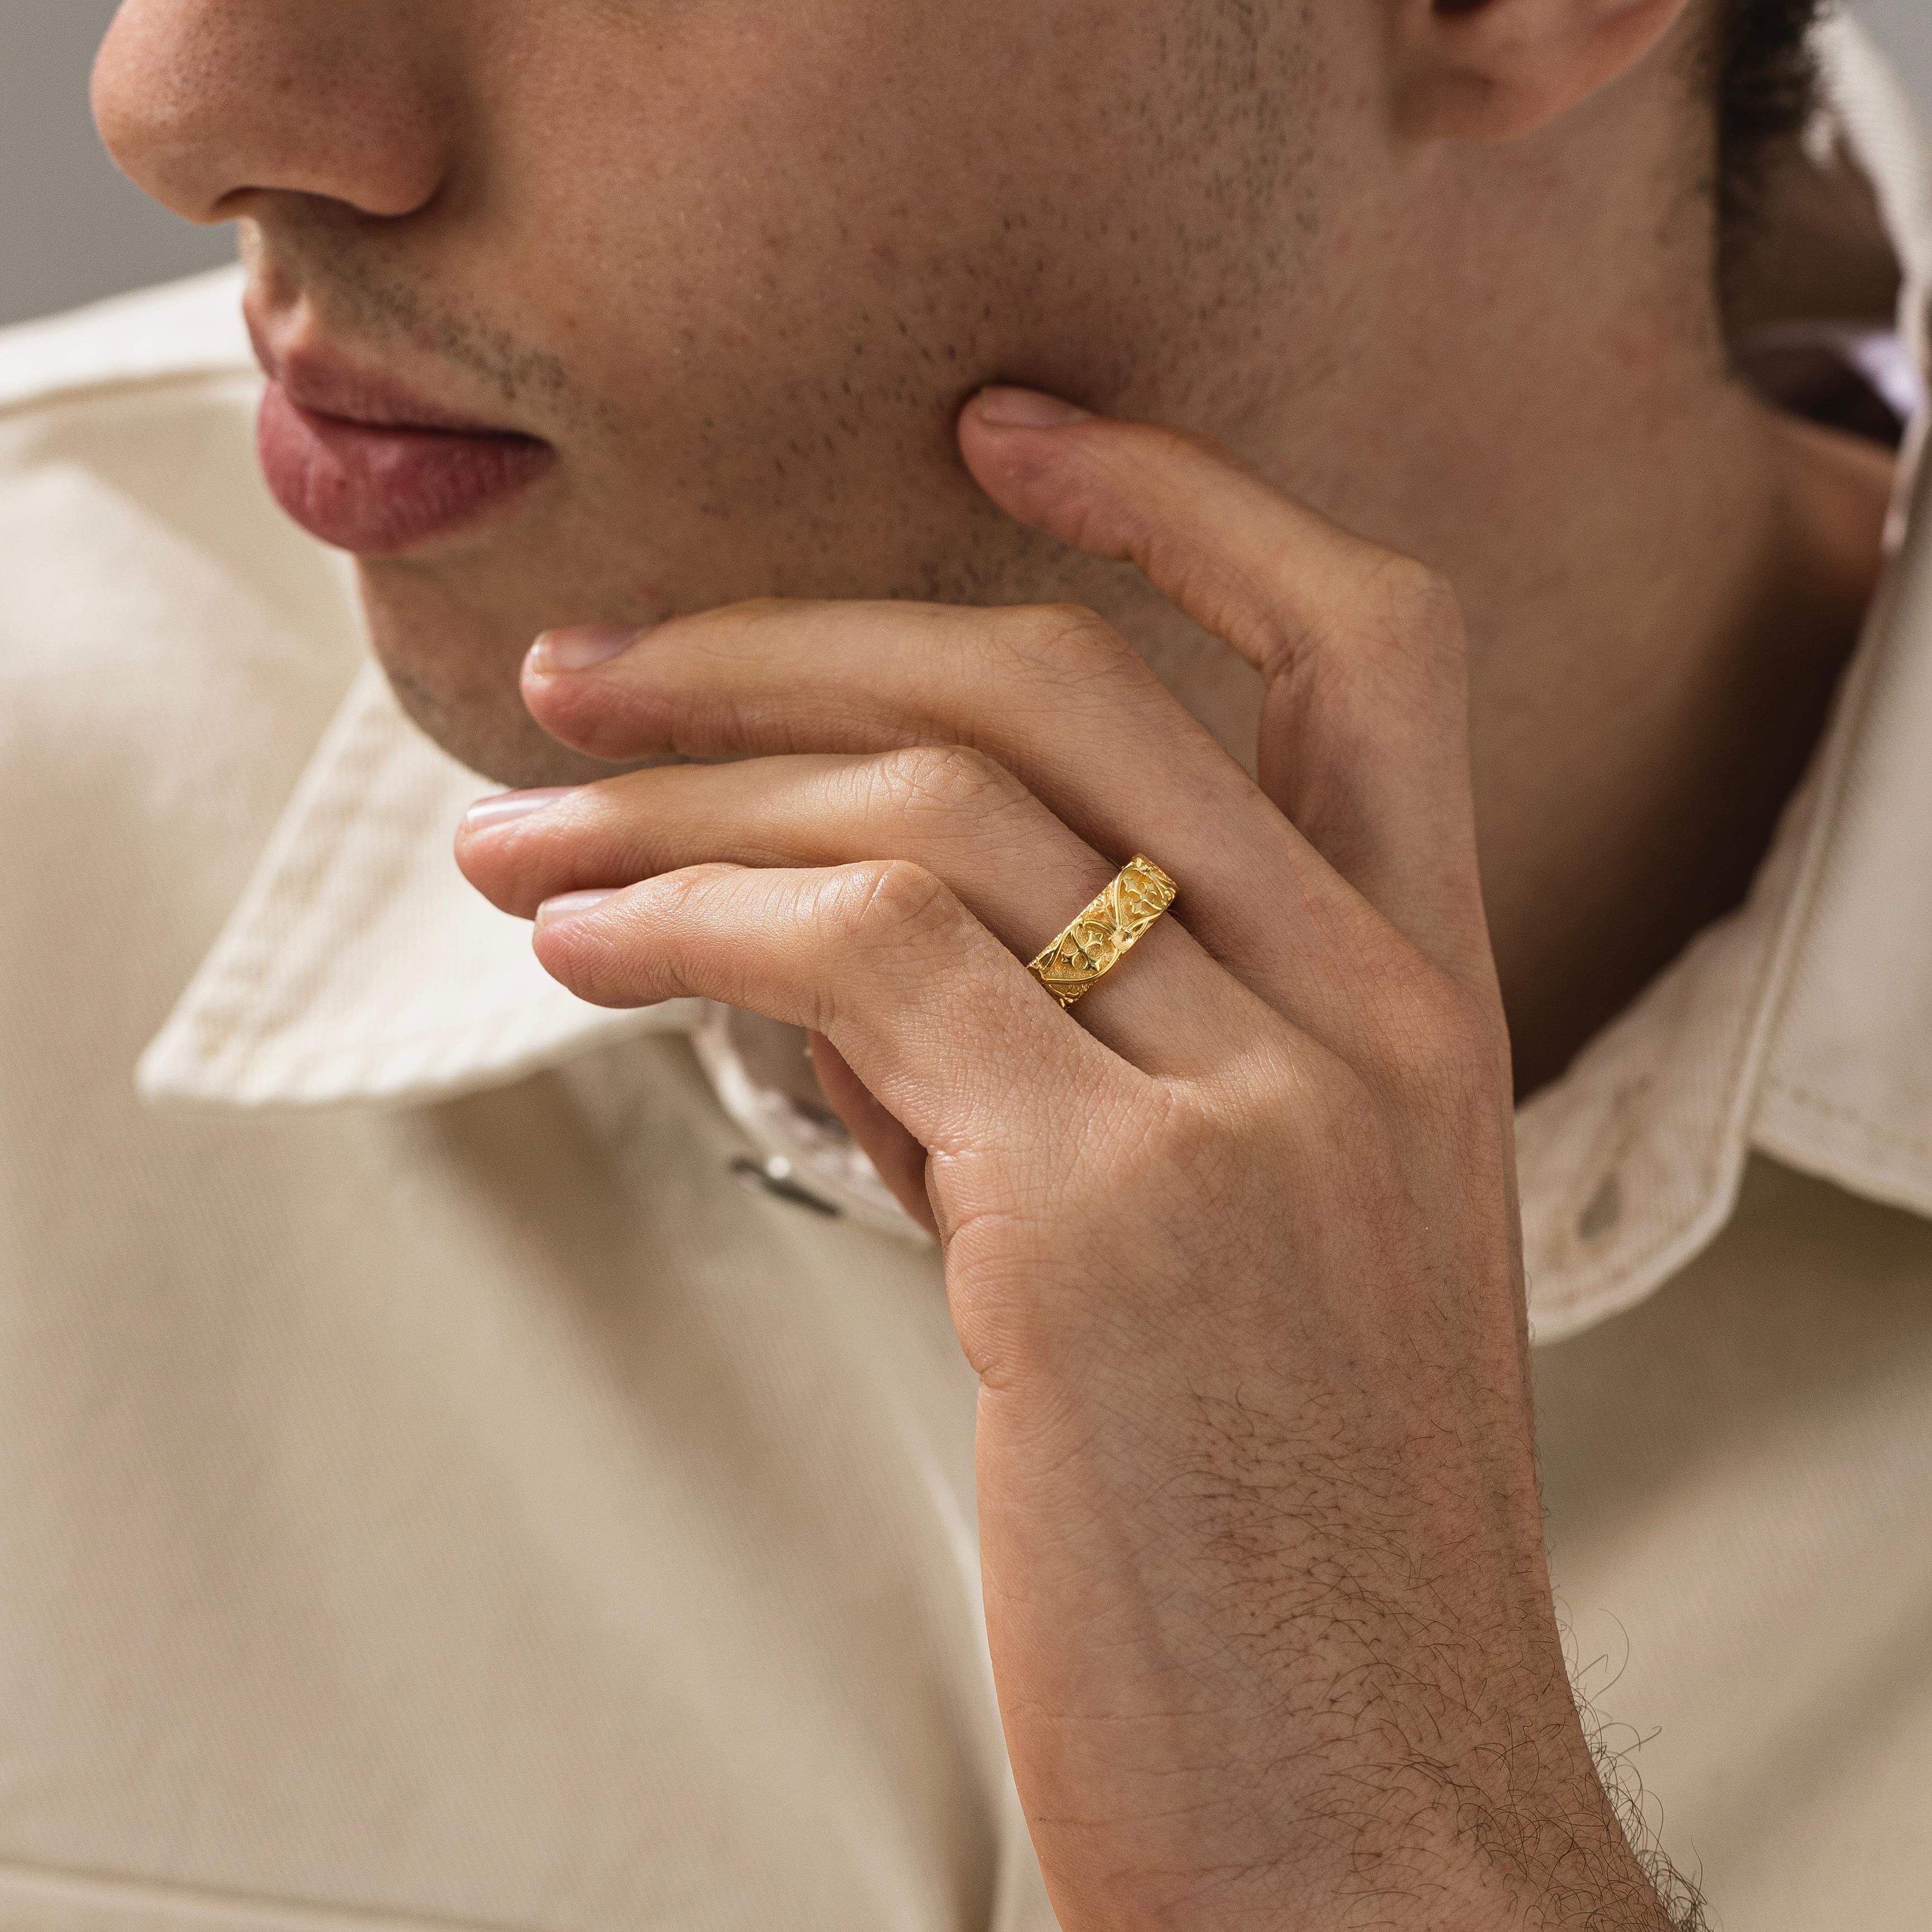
{"points": [[1202, 1144], [1417, 607], [1307, 1110], [1065, 641], [724, 626], [1164, 443], [673, 897], [667, 921], [945, 781], [1442, 1039], [755, 609], [890, 905]]}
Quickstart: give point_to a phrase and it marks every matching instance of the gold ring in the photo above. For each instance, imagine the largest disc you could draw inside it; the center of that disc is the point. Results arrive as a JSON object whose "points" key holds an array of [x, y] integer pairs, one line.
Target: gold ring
{"points": [[1093, 946]]}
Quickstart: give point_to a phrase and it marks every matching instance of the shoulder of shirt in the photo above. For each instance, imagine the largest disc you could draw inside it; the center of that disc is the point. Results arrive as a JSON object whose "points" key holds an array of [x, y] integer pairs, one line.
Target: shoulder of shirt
{"points": [[178, 330]]}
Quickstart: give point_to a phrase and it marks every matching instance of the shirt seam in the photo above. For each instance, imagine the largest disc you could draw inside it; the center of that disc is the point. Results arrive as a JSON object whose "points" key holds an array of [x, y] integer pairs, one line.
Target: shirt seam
{"points": [[392, 1042], [1836, 1110]]}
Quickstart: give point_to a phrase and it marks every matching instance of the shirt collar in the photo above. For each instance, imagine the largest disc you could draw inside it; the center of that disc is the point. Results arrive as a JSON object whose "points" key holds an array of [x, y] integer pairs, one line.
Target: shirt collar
{"points": [[359, 966], [1801, 1026]]}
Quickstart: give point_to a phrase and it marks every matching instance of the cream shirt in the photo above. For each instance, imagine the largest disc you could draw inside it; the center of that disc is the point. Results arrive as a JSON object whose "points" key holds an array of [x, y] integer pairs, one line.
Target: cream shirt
{"points": [[434, 1491]]}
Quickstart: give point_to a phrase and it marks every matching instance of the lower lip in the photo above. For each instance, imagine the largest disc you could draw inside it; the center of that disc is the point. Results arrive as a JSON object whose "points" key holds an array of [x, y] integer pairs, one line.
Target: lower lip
{"points": [[378, 490]]}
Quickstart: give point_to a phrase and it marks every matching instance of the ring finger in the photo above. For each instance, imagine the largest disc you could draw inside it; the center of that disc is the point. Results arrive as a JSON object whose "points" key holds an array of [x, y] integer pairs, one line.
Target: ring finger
{"points": [[957, 813]]}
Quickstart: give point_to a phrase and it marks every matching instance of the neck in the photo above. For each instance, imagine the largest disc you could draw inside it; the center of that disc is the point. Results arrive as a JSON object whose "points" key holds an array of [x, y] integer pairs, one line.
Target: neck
{"points": [[1649, 675], [1661, 577]]}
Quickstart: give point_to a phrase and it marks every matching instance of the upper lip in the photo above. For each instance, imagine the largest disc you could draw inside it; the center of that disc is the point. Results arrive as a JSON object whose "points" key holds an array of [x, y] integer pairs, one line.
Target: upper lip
{"points": [[315, 382]]}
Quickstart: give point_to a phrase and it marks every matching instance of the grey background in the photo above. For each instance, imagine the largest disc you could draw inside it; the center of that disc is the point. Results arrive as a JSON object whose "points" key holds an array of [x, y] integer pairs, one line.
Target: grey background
{"points": [[71, 230]]}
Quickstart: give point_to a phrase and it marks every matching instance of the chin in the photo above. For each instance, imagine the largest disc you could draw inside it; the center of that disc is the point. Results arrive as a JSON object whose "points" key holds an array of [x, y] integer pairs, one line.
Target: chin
{"points": [[455, 671], [451, 625]]}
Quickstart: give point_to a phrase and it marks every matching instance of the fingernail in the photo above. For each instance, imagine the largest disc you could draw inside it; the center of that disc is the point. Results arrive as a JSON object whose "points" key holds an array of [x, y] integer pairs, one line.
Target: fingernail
{"points": [[570, 905], [487, 813], [1026, 409], [578, 647]]}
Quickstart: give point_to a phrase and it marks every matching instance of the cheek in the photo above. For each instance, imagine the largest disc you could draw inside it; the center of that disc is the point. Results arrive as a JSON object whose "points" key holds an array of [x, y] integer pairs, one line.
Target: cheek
{"points": [[757, 255], [776, 258]]}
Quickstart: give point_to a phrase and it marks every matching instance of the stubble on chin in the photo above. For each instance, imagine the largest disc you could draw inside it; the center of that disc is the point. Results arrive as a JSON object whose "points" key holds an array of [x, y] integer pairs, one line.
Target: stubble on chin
{"points": [[458, 684]]}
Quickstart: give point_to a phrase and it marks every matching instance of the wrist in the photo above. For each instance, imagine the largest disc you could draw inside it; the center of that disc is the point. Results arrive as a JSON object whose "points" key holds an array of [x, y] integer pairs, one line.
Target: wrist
{"points": [[1512, 1835], [1526, 1837]]}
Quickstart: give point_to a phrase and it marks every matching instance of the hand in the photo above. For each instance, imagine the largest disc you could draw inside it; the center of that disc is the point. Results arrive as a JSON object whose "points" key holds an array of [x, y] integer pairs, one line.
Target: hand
{"points": [[1231, 1244]]}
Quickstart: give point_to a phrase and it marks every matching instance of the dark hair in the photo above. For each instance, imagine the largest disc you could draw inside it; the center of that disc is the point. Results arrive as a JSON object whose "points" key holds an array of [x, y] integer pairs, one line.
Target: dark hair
{"points": [[1767, 86]]}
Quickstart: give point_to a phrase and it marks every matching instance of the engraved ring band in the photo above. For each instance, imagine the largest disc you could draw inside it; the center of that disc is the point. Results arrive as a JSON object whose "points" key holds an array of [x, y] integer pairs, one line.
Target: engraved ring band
{"points": [[1095, 943]]}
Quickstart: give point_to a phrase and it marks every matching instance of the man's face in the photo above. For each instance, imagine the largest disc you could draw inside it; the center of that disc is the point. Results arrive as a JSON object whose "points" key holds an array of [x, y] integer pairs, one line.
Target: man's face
{"points": [[732, 266]]}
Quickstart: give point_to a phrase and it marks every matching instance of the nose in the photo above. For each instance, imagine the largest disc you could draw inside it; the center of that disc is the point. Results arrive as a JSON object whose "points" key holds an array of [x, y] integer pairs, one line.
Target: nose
{"points": [[212, 106]]}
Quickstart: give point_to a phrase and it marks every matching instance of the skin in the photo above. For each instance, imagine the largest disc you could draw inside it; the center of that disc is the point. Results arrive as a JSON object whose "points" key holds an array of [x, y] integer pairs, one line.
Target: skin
{"points": [[1440, 276], [1456, 665]]}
